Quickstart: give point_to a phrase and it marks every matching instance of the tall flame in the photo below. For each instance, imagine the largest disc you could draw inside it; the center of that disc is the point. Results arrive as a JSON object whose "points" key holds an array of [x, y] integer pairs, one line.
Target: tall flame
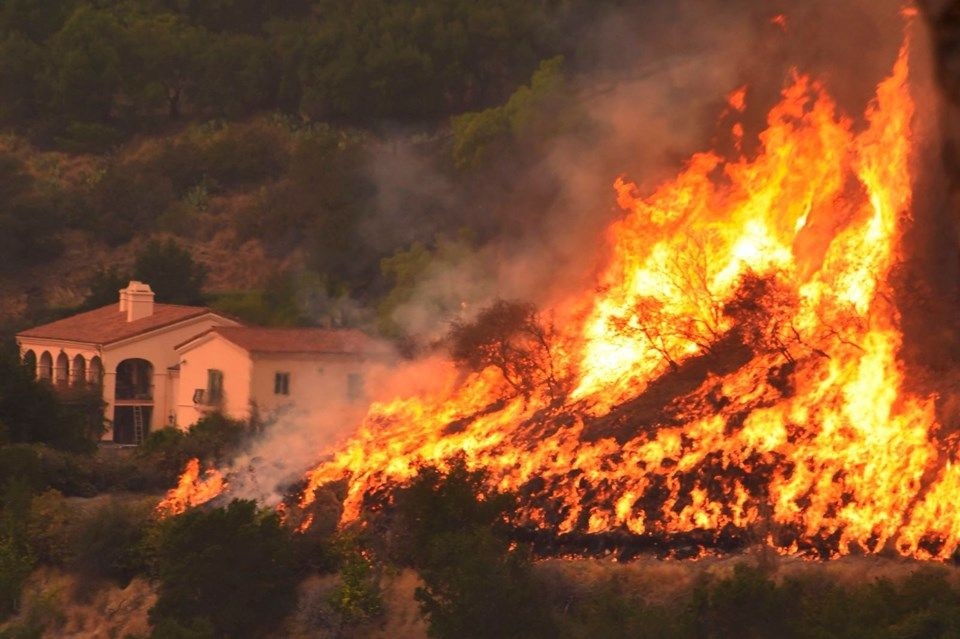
{"points": [[192, 489], [763, 280]]}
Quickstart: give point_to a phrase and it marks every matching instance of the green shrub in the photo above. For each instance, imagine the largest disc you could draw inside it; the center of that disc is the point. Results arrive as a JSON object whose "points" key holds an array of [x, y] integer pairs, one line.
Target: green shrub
{"points": [[357, 597], [16, 560], [49, 527], [476, 582], [245, 154], [164, 450], [234, 566], [16, 564], [171, 271], [173, 629], [89, 137], [32, 412], [108, 541]]}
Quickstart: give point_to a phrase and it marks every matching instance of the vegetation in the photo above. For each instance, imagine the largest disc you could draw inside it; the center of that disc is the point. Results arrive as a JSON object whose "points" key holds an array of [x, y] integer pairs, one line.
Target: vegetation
{"points": [[476, 582], [30, 411], [155, 126], [214, 439], [233, 568], [516, 340]]}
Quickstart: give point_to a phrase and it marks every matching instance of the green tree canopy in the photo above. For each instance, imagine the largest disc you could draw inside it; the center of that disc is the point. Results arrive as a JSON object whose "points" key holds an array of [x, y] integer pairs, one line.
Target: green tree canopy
{"points": [[171, 272]]}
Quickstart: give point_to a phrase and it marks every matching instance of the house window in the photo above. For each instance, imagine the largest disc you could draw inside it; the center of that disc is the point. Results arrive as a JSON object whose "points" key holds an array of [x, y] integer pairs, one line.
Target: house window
{"points": [[214, 386], [354, 386], [281, 384]]}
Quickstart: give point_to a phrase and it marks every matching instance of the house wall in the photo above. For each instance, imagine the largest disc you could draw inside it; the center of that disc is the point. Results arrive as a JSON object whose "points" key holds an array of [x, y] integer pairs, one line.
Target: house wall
{"points": [[213, 352], [316, 381]]}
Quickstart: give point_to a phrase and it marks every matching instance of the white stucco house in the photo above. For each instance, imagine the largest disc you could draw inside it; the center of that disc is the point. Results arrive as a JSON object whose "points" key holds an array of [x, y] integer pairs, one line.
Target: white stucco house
{"points": [[241, 369], [165, 364]]}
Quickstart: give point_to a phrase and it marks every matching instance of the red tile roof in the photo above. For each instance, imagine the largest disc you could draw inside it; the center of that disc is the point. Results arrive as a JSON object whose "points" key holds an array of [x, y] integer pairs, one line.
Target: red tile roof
{"points": [[298, 340], [107, 325]]}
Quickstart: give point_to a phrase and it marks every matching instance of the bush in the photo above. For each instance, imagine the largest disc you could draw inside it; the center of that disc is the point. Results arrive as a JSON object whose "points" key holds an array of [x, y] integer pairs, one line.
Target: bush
{"points": [[16, 560], [213, 439], [126, 201], [78, 474], [30, 411], [239, 155], [233, 566], [16, 564], [476, 582], [109, 540], [49, 527], [513, 338], [357, 597]]}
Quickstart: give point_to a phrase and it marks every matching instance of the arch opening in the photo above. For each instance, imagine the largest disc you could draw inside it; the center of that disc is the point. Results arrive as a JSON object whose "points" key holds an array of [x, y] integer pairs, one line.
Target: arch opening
{"points": [[61, 371], [45, 370], [78, 371], [30, 362], [134, 379]]}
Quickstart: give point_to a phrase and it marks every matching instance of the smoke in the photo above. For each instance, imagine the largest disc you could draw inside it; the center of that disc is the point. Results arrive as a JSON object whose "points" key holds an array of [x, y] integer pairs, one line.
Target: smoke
{"points": [[296, 439], [649, 83]]}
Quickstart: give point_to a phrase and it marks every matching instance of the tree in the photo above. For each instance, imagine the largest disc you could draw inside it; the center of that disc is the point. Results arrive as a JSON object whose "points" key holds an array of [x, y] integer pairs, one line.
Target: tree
{"points": [[533, 114], [515, 339], [104, 285], [237, 75], [357, 597], [409, 271], [171, 272], [20, 85], [688, 313], [87, 56], [30, 411], [35, 19], [232, 566], [25, 219], [412, 60], [163, 66]]}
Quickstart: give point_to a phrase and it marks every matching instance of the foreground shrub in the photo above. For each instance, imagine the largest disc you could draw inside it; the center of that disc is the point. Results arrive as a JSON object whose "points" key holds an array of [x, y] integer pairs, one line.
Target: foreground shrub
{"points": [[108, 540], [451, 528], [49, 527], [16, 564], [233, 567], [213, 439], [357, 598]]}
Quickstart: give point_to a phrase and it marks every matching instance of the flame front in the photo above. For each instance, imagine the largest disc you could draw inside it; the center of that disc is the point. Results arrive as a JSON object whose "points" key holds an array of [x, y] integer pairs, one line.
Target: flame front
{"points": [[752, 292], [192, 489]]}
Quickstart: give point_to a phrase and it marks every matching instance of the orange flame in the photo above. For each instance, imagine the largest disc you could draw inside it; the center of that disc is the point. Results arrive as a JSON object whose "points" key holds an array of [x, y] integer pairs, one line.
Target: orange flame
{"points": [[192, 489]]}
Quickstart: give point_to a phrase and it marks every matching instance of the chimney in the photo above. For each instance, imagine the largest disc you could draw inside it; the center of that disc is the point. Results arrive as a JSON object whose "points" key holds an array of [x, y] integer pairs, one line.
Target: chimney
{"points": [[136, 300]]}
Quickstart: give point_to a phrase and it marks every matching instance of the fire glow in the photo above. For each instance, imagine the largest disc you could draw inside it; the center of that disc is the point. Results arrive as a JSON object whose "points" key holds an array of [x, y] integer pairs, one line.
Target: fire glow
{"points": [[776, 264]]}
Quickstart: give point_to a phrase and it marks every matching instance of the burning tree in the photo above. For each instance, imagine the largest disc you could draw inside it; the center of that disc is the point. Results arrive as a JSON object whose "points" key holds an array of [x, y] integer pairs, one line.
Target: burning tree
{"points": [[516, 340], [673, 330]]}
